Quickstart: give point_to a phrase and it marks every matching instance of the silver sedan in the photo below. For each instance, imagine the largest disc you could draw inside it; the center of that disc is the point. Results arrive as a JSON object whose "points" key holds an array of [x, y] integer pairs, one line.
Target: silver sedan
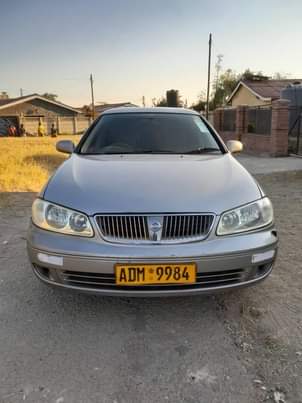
{"points": [[151, 202]]}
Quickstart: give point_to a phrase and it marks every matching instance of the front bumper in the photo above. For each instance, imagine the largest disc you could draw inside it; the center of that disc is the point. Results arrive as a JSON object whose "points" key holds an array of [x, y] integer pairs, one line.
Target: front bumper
{"points": [[87, 264]]}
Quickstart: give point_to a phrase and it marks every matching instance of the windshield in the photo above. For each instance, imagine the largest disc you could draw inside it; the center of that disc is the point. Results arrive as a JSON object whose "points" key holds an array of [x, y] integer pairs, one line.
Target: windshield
{"points": [[138, 133]]}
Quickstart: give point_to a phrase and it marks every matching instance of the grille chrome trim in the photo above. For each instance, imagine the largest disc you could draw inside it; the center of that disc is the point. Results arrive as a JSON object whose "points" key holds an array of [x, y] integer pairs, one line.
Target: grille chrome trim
{"points": [[135, 228]]}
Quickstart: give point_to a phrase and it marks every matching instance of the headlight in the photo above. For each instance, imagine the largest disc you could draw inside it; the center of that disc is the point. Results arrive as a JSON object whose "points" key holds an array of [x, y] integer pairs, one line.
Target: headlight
{"points": [[246, 218], [52, 217]]}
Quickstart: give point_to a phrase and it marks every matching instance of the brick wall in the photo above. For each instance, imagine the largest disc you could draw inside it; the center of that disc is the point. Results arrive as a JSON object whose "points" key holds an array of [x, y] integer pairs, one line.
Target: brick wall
{"points": [[226, 136], [280, 122], [274, 143], [257, 144]]}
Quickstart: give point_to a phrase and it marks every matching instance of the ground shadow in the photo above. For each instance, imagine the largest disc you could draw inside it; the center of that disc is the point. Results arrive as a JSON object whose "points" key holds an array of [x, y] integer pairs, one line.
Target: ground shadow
{"points": [[46, 297]]}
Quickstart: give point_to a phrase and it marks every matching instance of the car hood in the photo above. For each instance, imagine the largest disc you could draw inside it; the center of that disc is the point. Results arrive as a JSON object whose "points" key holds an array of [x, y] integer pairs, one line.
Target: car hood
{"points": [[151, 184]]}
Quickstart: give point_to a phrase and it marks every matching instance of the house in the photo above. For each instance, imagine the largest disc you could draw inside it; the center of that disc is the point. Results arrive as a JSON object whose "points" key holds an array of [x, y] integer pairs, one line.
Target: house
{"points": [[258, 91], [32, 109]]}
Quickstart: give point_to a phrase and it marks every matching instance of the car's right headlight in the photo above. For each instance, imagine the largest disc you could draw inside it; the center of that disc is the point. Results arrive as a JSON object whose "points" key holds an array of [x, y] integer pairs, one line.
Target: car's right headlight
{"points": [[246, 218], [60, 219]]}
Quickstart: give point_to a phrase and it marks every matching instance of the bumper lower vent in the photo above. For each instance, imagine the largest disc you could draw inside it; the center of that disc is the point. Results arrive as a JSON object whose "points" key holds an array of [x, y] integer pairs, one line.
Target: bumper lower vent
{"points": [[107, 281]]}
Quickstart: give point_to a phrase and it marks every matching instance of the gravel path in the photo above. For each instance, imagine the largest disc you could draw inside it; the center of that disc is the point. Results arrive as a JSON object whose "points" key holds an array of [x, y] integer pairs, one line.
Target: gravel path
{"points": [[244, 346], [267, 165]]}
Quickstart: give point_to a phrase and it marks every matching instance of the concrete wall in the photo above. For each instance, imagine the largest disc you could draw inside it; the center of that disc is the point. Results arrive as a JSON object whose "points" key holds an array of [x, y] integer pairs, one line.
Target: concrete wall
{"points": [[63, 124], [83, 123], [66, 125], [31, 124]]}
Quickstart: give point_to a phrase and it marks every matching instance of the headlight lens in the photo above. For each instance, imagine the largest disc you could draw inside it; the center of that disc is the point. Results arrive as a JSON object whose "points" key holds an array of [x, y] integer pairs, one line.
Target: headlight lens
{"points": [[246, 218], [52, 217]]}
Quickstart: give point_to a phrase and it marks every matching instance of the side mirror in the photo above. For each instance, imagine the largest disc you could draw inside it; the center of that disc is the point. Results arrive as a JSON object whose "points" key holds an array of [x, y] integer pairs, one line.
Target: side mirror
{"points": [[65, 146], [234, 146]]}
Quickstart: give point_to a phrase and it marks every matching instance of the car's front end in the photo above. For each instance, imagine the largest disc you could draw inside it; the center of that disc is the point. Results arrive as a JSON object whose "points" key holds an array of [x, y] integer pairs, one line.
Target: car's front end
{"points": [[89, 264], [159, 225]]}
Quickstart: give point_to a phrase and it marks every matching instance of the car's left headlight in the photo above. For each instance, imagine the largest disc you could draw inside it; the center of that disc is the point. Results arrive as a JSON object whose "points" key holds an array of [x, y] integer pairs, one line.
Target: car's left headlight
{"points": [[60, 219], [246, 218]]}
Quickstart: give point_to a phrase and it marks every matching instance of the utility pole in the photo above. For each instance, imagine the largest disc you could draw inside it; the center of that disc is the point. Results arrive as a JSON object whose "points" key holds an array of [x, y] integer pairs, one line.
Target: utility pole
{"points": [[92, 97], [21, 92], [209, 75], [144, 101]]}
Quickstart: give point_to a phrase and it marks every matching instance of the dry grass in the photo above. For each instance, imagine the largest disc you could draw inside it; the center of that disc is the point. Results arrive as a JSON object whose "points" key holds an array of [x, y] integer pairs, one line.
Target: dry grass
{"points": [[26, 163]]}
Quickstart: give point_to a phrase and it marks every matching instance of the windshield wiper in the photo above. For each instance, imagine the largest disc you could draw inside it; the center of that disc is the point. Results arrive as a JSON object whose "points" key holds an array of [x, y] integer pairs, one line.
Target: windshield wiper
{"points": [[202, 150], [136, 152], [154, 152]]}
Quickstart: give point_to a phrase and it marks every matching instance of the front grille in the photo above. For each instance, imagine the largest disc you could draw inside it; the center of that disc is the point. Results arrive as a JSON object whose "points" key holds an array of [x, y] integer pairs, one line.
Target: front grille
{"points": [[107, 281], [174, 227], [186, 226], [123, 227]]}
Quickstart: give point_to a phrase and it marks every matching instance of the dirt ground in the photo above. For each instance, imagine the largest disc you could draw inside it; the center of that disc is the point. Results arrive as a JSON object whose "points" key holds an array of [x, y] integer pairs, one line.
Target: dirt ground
{"points": [[244, 346]]}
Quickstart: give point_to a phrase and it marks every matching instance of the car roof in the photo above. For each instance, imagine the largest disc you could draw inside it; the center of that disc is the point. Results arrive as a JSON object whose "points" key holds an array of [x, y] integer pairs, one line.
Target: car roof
{"points": [[128, 109]]}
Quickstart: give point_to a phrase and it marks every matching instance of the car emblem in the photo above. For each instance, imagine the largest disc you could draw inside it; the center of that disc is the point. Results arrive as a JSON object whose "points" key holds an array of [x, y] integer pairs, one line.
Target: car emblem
{"points": [[155, 225]]}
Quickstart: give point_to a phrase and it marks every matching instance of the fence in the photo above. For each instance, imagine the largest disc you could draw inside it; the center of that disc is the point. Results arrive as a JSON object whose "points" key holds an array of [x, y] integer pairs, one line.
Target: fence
{"points": [[295, 130], [63, 124], [229, 120], [259, 120], [263, 130]]}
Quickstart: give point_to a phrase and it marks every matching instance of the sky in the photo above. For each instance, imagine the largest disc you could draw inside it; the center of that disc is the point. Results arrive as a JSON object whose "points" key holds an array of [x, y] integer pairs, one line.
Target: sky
{"points": [[141, 48]]}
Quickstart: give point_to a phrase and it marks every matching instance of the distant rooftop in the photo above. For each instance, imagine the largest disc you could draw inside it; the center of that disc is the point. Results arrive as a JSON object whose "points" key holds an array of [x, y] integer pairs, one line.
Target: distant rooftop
{"points": [[6, 102], [266, 89], [270, 88]]}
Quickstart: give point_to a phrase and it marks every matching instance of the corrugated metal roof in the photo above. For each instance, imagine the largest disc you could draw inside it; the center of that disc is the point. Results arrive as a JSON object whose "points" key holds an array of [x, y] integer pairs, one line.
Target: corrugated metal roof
{"points": [[269, 88], [7, 101], [14, 101]]}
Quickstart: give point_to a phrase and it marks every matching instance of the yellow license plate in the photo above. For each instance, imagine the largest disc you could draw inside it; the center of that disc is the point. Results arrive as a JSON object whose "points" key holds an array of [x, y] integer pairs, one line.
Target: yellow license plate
{"points": [[184, 273]]}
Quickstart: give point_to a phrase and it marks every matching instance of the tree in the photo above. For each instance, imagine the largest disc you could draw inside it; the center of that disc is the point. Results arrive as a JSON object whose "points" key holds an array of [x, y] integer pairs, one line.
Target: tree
{"points": [[279, 76], [160, 102], [218, 68], [87, 110], [224, 86], [50, 96], [200, 105], [4, 95], [253, 76]]}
